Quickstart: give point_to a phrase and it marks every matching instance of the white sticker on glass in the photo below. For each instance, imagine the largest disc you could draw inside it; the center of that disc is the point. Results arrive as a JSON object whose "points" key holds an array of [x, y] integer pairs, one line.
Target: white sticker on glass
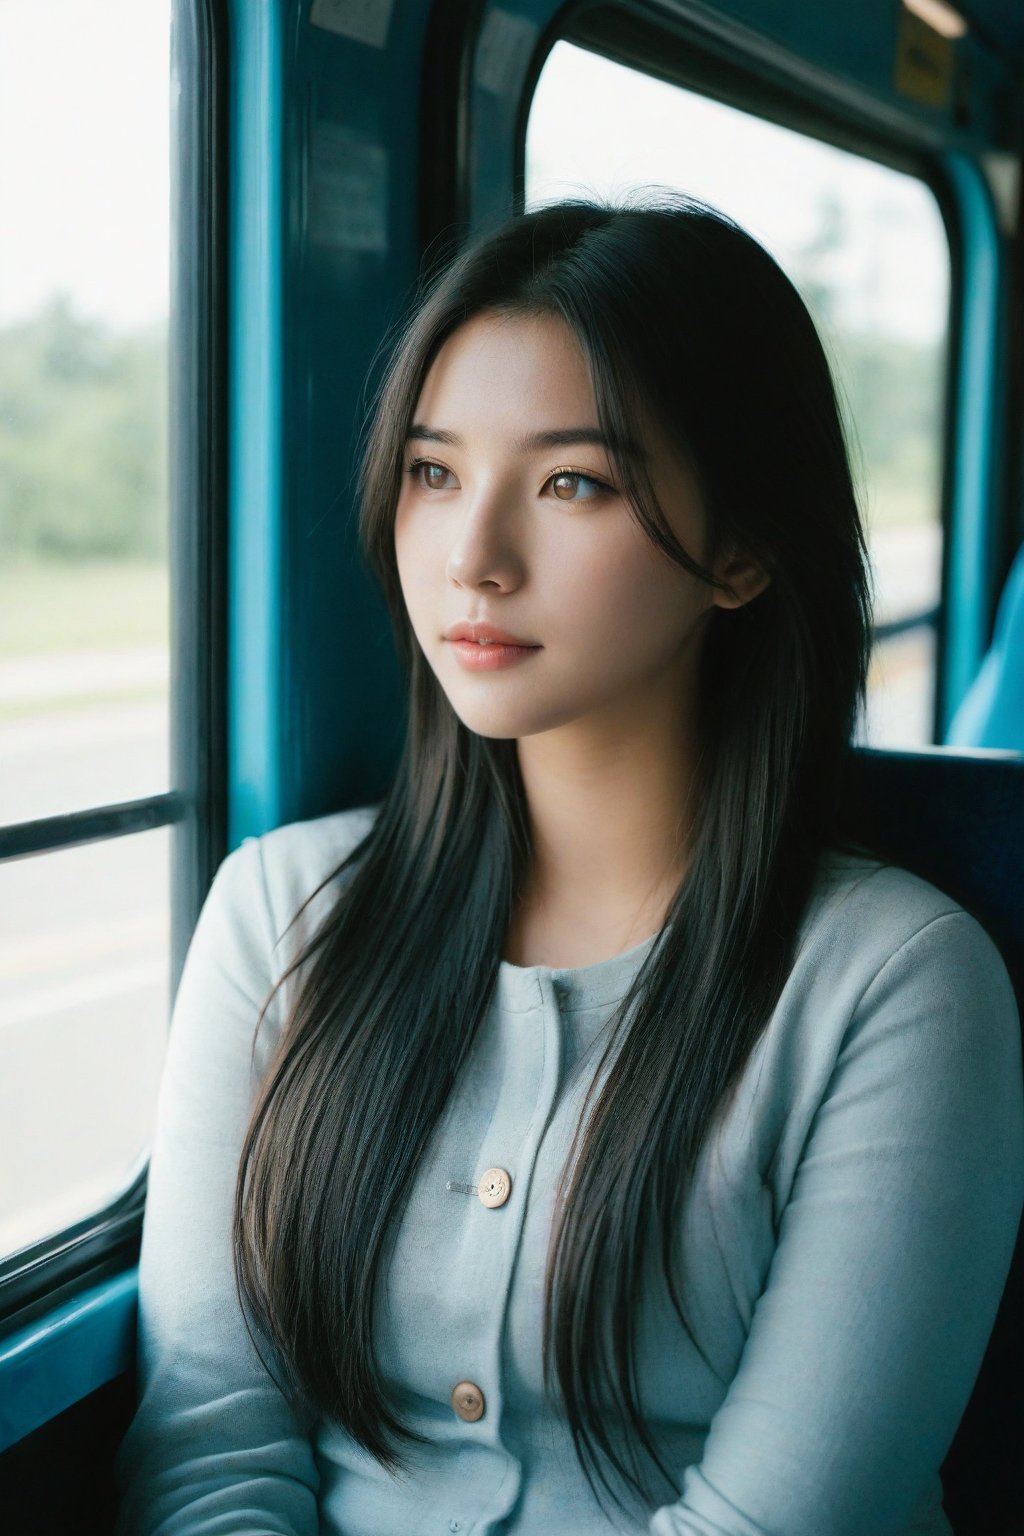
{"points": [[348, 190]]}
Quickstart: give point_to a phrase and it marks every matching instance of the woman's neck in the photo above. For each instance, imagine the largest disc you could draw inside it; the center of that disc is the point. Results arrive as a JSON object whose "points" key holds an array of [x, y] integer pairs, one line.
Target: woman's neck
{"points": [[611, 826]]}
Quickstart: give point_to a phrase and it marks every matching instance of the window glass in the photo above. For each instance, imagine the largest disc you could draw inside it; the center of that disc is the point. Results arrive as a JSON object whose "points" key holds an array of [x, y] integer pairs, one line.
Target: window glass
{"points": [[85, 98], [867, 248], [84, 979], [84, 274]]}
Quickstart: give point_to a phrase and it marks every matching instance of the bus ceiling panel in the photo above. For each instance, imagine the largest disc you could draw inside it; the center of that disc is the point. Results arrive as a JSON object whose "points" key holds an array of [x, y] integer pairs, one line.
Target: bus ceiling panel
{"points": [[887, 70], [1000, 24], [885, 73]]}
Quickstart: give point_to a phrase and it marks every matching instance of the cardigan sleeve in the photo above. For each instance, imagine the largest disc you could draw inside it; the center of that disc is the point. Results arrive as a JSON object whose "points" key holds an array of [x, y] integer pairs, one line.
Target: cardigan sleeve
{"points": [[214, 1447], [892, 1253]]}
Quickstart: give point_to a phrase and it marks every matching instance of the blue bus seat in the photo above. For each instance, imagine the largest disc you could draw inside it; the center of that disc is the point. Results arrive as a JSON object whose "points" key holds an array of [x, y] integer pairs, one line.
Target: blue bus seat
{"points": [[958, 821], [992, 711]]}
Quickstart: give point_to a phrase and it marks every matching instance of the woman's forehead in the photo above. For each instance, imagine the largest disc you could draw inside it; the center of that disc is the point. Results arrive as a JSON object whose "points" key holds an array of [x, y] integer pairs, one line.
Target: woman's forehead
{"points": [[496, 364]]}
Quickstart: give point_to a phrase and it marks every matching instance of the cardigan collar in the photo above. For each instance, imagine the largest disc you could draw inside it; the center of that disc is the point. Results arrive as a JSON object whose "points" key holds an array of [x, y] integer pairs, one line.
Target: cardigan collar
{"points": [[522, 988]]}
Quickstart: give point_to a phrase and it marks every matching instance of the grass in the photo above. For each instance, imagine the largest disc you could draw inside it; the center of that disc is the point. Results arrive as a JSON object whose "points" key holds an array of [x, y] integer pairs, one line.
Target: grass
{"points": [[26, 709], [102, 605]]}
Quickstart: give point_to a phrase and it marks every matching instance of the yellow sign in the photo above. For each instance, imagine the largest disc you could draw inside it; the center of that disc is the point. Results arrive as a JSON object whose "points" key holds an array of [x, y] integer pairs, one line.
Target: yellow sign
{"points": [[924, 62]]}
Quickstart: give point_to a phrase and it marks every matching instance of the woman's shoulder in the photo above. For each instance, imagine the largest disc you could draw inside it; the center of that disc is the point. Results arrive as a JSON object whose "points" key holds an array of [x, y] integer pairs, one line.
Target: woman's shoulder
{"points": [[300, 855], [864, 912], [280, 881], [877, 897], [892, 979]]}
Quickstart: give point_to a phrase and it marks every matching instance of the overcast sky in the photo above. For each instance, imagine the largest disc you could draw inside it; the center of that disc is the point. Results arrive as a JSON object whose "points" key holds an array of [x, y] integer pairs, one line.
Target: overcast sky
{"points": [[600, 127], [84, 139]]}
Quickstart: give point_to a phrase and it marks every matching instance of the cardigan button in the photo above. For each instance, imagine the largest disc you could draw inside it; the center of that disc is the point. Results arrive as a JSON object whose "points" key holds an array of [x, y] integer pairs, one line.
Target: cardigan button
{"points": [[468, 1401], [495, 1187]]}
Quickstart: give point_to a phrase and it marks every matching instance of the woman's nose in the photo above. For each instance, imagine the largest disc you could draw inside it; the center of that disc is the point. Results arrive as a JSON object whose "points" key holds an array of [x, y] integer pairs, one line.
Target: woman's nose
{"points": [[485, 550]]}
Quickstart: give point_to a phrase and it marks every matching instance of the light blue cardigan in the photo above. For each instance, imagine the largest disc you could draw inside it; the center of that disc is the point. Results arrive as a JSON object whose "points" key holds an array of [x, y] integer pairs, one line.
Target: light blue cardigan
{"points": [[846, 1242]]}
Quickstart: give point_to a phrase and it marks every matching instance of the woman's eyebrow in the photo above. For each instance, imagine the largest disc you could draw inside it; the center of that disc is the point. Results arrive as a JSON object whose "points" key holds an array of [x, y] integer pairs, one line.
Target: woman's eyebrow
{"points": [[562, 437]]}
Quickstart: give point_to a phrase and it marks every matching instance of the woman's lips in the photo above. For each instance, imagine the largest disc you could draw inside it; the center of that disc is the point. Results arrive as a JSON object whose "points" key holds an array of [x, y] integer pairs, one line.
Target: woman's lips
{"points": [[483, 631], [490, 658]]}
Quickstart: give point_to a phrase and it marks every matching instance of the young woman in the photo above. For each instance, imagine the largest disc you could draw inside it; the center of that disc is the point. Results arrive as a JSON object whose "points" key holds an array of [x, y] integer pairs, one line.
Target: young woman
{"points": [[597, 1140]]}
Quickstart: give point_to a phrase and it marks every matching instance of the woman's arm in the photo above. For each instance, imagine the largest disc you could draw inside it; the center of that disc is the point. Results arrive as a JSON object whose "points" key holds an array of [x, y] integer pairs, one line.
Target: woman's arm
{"points": [[214, 1447], [892, 1255]]}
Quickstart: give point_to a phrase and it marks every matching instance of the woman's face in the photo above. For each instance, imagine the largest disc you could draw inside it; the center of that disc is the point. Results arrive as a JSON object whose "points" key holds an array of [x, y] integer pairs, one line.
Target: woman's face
{"points": [[497, 523]]}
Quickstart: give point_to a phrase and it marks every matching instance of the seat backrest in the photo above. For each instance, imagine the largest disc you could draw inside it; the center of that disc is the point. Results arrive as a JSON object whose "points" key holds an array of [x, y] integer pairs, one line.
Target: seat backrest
{"points": [[992, 712], [957, 820]]}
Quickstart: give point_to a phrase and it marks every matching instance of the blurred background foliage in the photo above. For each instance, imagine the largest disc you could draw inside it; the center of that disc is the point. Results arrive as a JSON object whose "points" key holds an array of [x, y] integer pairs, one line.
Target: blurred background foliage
{"points": [[83, 439]]}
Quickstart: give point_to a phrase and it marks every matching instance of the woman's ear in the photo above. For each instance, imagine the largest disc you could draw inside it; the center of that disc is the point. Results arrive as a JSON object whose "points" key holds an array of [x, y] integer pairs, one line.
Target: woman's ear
{"points": [[746, 579]]}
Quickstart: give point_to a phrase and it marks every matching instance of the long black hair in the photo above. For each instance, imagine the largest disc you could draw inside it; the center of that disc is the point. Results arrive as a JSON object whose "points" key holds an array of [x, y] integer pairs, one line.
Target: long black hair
{"points": [[681, 314]]}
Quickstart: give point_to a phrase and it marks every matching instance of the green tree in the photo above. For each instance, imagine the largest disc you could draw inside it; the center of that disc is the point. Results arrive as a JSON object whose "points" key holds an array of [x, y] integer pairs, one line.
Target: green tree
{"points": [[83, 438], [890, 388]]}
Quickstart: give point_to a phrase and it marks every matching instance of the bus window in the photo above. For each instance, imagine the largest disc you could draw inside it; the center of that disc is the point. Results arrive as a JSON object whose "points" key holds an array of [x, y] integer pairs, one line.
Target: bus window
{"points": [[867, 248], [83, 1012], [84, 601]]}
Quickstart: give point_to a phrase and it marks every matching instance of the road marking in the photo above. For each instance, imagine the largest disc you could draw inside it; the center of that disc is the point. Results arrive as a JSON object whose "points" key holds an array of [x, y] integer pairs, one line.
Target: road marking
{"points": [[27, 954], [49, 1001]]}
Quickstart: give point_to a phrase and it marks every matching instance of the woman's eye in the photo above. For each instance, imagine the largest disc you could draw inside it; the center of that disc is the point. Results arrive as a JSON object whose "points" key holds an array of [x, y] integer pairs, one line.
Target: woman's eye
{"points": [[429, 475], [566, 483]]}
